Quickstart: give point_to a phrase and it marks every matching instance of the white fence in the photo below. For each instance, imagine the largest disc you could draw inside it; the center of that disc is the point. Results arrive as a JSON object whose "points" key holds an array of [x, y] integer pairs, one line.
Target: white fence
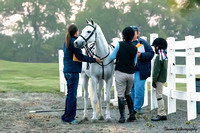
{"points": [[63, 85], [190, 70]]}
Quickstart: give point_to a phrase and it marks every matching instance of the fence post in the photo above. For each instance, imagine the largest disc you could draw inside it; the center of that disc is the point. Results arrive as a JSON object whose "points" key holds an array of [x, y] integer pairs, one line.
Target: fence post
{"points": [[171, 84], [146, 87], [61, 75], [190, 75], [63, 84], [153, 91], [80, 87]]}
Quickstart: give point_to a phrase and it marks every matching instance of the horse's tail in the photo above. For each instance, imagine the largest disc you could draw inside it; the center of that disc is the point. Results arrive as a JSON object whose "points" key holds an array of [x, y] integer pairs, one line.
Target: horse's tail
{"points": [[91, 95]]}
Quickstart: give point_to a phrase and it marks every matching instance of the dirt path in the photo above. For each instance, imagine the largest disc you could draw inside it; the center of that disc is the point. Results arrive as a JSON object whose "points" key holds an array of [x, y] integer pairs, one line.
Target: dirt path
{"points": [[15, 117]]}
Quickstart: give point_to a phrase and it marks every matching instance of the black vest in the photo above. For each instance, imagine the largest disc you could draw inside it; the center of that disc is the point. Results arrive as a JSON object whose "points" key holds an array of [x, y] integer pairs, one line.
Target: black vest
{"points": [[125, 61]]}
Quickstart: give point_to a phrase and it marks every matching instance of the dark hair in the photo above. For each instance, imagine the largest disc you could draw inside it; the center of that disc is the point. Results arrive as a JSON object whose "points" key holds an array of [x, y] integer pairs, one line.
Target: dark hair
{"points": [[128, 34], [72, 29]]}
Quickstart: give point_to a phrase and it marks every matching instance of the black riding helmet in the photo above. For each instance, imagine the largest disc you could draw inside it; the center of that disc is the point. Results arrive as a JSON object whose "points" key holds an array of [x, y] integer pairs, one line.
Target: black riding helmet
{"points": [[160, 42], [128, 34]]}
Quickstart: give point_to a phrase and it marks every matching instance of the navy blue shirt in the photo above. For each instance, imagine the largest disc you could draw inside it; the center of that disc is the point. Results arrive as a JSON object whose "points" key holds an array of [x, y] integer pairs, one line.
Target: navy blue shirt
{"points": [[71, 66]]}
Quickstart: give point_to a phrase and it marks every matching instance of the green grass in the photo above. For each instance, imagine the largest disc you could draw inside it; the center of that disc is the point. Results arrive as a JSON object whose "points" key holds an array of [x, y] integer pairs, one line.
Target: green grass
{"points": [[29, 77], [39, 77]]}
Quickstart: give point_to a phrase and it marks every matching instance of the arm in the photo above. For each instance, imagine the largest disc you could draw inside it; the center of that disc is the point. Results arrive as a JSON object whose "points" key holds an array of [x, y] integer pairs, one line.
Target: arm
{"points": [[79, 55], [156, 69], [136, 59], [114, 53]]}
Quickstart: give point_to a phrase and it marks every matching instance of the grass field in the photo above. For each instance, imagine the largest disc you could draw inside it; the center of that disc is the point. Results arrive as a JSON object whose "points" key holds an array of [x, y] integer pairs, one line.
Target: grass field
{"points": [[29, 77], [38, 77]]}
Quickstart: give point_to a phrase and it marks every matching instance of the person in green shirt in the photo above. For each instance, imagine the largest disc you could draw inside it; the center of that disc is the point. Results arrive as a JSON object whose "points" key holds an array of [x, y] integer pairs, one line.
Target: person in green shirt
{"points": [[159, 75]]}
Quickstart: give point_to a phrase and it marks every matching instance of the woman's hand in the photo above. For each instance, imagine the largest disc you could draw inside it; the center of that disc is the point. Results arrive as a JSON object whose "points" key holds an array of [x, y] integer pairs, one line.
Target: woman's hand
{"points": [[99, 60]]}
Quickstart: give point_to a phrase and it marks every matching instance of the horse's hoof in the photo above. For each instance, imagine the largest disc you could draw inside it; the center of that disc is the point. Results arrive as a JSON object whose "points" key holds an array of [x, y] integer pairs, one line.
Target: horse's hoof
{"points": [[101, 118], [85, 119], [108, 121], [94, 120]]}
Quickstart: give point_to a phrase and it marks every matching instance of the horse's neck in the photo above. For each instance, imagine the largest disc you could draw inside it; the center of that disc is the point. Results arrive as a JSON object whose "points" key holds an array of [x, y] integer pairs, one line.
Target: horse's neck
{"points": [[102, 45]]}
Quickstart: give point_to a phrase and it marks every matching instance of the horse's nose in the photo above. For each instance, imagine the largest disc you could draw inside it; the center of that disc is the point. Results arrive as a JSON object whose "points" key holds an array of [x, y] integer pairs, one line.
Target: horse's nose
{"points": [[75, 43]]}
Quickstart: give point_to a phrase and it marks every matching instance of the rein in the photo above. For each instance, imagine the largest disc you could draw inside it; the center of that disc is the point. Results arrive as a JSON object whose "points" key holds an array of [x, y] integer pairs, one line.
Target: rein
{"points": [[89, 51]]}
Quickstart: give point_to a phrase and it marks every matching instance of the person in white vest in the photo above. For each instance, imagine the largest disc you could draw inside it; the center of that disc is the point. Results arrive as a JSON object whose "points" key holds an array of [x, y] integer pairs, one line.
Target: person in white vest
{"points": [[159, 76]]}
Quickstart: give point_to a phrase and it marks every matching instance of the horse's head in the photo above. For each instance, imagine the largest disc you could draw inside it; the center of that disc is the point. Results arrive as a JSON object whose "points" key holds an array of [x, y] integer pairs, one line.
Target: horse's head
{"points": [[87, 35]]}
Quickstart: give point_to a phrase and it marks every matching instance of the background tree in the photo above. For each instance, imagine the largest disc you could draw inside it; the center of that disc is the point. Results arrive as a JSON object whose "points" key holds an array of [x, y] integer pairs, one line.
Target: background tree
{"points": [[107, 18], [8, 46], [42, 25], [40, 21]]}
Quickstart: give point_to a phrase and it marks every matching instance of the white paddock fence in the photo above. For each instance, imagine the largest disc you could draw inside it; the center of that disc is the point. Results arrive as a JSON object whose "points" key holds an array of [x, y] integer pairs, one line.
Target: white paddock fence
{"points": [[190, 70]]}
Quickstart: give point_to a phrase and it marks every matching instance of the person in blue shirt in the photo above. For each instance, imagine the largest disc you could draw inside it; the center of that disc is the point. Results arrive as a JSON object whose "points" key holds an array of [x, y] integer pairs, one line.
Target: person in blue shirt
{"points": [[142, 71], [73, 58], [125, 54]]}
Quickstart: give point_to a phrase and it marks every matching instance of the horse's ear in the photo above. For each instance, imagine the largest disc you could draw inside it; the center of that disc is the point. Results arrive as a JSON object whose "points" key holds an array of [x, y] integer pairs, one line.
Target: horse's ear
{"points": [[87, 21], [92, 21]]}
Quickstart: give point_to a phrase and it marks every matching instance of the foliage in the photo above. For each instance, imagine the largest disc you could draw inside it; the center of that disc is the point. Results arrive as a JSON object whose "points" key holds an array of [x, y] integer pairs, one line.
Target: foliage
{"points": [[107, 18], [39, 34], [8, 46], [39, 19], [112, 20]]}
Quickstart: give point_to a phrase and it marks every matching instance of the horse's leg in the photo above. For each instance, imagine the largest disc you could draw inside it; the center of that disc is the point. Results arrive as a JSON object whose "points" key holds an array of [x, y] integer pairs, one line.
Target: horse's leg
{"points": [[94, 88], [85, 86], [108, 89], [99, 105]]}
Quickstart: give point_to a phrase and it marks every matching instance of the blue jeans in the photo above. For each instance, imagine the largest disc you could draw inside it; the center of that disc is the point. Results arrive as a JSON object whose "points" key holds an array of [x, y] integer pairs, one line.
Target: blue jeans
{"points": [[137, 91], [70, 103]]}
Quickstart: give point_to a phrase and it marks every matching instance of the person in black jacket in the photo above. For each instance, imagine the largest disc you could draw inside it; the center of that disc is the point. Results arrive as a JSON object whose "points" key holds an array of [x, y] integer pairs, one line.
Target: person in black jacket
{"points": [[73, 58], [125, 54], [142, 71]]}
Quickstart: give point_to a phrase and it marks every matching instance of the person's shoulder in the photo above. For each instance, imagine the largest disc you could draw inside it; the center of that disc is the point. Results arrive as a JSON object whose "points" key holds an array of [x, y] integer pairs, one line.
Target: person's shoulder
{"points": [[73, 38], [142, 41], [121, 42]]}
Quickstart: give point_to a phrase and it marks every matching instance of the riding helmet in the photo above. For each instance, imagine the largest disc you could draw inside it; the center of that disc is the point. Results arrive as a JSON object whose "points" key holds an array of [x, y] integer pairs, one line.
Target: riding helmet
{"points": [[160, 42]]}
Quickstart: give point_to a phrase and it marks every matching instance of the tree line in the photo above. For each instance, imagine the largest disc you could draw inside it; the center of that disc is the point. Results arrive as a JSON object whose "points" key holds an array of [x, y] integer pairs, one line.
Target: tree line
{"points": [[40, 33]]}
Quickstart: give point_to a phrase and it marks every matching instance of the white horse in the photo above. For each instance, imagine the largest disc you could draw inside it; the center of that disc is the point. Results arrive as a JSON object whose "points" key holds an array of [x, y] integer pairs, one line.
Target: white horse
{"points": [[92, 34]]}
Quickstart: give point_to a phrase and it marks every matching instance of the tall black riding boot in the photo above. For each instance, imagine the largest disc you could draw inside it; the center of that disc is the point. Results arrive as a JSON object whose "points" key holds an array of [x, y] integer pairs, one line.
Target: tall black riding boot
{"points": [[121, 109], [129, 101]]}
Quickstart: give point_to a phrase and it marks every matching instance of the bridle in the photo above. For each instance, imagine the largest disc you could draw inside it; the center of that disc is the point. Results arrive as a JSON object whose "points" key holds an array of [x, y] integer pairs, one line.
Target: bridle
{"points": [[90, 49], [86, 39]]}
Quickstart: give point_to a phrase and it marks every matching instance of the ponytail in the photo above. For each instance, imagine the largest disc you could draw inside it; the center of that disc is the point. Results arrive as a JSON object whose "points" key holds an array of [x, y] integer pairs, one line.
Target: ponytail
{"points": [[72, 29], [67, 39]]}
